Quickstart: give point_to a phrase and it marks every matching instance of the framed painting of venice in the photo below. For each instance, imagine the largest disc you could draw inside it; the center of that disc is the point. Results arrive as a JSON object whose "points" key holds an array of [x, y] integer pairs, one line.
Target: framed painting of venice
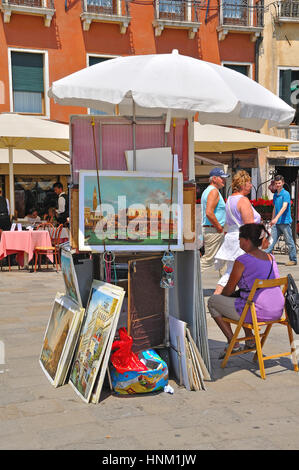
{"points": [[60, 339], [130, 210], [102, 313], [70, 277]]}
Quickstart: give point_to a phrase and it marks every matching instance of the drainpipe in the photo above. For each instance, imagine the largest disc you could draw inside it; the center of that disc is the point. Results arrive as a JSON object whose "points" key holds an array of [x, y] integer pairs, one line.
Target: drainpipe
{"points": [[207, 11], [257, 50]]}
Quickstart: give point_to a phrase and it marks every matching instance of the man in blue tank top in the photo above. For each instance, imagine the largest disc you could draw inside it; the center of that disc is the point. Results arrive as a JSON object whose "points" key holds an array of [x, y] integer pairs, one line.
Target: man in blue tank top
{"points": [[213, 217], [282, 220]]}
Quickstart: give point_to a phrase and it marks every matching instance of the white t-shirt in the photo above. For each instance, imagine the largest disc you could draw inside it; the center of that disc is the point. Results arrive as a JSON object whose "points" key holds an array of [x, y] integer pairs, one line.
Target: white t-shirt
{"points": [[32, 220], [61, 203]]}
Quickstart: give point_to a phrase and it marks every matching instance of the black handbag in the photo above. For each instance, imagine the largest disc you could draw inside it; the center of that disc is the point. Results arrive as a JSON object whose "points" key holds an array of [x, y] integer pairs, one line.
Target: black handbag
{"points": [[292, 304]]}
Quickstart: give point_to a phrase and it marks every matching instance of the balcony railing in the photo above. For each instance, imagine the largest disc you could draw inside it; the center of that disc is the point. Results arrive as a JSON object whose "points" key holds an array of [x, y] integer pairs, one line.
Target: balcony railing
{"points": [[240, 16], [240, 13], [105, 7], [177, 10], [287, 9], [44, 8], [108, 11], [293, 132], [171, 10], [31, 3], [181, 14]]}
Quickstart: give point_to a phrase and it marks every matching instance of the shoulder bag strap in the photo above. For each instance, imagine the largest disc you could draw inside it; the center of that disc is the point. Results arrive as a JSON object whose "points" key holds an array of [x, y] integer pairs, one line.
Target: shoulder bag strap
{"points": [[270, 257]]}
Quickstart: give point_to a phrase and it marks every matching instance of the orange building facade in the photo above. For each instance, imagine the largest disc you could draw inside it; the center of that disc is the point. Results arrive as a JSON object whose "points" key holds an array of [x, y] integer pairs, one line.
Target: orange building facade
{"points": [[68, 35]]}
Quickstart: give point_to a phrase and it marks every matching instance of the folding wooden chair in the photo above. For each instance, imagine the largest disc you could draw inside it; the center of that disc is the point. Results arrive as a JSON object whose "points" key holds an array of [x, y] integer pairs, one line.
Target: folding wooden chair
{"points": [[260, 338], [49, 250]]}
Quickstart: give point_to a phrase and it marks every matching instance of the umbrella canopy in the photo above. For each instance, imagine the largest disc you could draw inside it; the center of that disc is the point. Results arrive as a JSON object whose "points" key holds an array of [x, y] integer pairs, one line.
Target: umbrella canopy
{"points": [[211, 138], [29, 133], [35, 157], [160, 82]]}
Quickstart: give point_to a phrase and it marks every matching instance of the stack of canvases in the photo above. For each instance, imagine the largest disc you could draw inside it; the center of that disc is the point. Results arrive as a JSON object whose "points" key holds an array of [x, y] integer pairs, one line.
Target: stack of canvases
{"points": [[78, 341], [187, 362]]}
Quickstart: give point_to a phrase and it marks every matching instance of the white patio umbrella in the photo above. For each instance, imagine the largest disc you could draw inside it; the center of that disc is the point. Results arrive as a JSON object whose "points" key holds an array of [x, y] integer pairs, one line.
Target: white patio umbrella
{"points": [[211, 138], [182, 84], [30, 133]]}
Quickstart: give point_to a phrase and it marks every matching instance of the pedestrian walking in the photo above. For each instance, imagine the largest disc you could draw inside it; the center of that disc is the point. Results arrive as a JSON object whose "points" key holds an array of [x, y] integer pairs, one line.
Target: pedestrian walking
{"points": [[213, 217], [239, 211], [282, 220]]}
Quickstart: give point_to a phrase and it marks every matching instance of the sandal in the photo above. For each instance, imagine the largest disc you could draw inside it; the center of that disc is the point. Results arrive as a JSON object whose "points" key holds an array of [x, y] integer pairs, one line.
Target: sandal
{"points": [[234, 350], [250, 344]]}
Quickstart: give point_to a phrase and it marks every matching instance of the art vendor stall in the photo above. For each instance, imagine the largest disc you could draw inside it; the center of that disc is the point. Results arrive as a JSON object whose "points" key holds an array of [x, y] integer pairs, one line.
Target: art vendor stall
{"points": [[133, 224], [125, 241]]}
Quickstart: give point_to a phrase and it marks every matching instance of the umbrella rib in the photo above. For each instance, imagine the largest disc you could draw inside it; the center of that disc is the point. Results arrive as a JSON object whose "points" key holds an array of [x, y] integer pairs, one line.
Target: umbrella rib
{"points": [[40, 157]]}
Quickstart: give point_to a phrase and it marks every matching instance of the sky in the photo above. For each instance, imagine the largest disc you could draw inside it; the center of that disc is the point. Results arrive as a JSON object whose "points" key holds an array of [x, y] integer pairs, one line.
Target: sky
{"points": [[138, 190]]}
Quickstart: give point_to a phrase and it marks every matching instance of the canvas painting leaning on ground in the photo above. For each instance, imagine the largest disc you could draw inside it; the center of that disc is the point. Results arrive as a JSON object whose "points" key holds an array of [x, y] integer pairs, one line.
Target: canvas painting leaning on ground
{"points": [[102, 312], [70, 277], [139, 211], [60, 339]]}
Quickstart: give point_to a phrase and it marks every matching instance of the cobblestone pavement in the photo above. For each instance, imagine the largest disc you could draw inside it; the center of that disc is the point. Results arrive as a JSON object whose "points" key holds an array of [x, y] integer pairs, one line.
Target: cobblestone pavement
{"points": [[238, 411]]}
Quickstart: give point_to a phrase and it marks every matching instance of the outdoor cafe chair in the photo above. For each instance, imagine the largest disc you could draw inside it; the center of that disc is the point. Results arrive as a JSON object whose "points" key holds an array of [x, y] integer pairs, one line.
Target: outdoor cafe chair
{"points": [[260, 338], [54, 249]]}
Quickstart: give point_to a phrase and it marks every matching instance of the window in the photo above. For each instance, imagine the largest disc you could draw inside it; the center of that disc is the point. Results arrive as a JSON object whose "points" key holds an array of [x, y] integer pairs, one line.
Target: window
{"points": [[172, 9], [245, 69], [100, 6], [289, 89], [236, 11], [27, 70], [92, 60]]}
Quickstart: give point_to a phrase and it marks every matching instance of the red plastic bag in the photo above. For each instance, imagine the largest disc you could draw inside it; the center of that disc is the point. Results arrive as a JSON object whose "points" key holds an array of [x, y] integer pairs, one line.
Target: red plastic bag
{"points": [[123, 358]]}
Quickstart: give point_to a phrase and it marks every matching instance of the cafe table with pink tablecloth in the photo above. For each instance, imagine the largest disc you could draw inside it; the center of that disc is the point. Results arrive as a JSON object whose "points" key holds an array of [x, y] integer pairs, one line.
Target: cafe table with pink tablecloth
{"points": [[24, 242]]}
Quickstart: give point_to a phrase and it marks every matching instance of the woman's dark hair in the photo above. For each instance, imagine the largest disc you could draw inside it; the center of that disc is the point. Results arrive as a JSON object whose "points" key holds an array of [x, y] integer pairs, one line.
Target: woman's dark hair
{"points": [[254, 233], [33, 209]]}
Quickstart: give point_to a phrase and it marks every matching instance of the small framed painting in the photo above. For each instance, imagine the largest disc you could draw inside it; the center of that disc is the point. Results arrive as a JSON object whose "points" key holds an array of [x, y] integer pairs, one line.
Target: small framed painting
{"points": [[70, 277], [130, 210]]}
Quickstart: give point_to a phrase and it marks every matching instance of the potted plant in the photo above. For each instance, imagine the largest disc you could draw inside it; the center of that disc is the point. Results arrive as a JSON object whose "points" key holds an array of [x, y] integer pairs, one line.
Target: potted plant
{"points": [[264, 206]]}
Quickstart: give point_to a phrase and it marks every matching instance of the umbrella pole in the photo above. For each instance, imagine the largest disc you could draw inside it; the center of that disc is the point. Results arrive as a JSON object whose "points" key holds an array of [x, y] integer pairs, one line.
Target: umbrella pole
{"points": [[134, 136], [11, 182]]}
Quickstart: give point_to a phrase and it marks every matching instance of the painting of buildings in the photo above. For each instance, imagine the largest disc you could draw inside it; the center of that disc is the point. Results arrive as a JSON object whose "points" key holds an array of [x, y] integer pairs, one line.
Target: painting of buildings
{"points": [[94, 335], [56, 336], [140, 210]]}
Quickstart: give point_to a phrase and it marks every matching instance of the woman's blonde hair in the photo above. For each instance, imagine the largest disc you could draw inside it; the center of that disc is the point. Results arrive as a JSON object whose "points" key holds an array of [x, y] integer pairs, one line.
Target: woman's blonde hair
{"points": [[239, 180]]}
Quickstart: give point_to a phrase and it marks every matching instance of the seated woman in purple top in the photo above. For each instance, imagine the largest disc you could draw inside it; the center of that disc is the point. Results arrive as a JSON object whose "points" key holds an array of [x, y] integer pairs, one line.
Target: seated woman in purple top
{"points": [[254, 264]]}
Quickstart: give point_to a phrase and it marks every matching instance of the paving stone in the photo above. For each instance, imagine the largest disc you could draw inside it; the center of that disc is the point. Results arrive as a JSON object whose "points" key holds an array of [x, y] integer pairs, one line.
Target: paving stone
{"points": [[88, 434], [20, 441], [107, 444], [56, 421], [184, 438], [246, 444], [9, 412], [130, 426], [40, 407], [9, 396]]}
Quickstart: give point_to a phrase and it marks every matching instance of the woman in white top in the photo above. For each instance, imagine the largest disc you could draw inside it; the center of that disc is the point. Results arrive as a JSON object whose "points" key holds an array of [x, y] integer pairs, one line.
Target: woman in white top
{"points": [[239, 211]]}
